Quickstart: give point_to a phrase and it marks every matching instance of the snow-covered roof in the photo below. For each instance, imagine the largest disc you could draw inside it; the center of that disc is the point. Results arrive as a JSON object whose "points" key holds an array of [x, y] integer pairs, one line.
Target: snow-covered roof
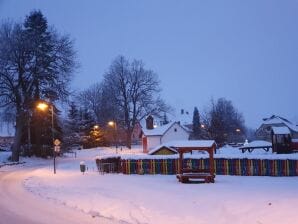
{"points": [[279, 120], [281, 130], [159, 147], [191, 143], [258, 143], [185, 118], [158, 131]]}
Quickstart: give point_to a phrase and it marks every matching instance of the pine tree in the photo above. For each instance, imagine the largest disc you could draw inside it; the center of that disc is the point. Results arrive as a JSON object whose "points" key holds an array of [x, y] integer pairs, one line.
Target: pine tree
{"points": [[71, 128], [196, 124], [86, 125], [165, 119], [73, 117]]}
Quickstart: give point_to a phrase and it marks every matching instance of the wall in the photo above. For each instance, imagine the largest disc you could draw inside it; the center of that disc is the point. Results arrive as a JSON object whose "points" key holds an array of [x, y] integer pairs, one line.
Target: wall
{"points": [[172, 135], [153, 141]]}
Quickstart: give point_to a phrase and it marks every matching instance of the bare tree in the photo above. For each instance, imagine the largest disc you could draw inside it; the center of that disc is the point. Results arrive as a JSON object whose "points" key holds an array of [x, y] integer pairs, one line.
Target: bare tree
{"points": [[223, 121], [96, 100], [134, 90], [35, 62]]}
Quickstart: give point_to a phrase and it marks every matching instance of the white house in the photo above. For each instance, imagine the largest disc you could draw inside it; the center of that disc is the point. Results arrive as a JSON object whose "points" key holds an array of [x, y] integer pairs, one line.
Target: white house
{"points": [[153, 137], [264, 132]]}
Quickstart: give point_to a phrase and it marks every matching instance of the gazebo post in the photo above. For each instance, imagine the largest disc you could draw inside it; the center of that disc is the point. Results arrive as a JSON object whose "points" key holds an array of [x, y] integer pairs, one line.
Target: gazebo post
{"points": [[211, 160], [180, 162]]}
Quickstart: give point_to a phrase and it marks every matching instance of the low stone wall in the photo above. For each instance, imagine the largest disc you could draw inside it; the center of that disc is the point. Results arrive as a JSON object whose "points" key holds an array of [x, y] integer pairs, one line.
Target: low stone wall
{"points": [[223, 166]]}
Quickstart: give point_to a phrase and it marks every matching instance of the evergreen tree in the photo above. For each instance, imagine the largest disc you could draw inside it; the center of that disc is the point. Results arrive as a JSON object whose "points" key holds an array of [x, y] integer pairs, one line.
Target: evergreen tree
{"points": [[196, 124], [86, 125], [71, 128], [35, 63], [165, 119], [73, 118]]}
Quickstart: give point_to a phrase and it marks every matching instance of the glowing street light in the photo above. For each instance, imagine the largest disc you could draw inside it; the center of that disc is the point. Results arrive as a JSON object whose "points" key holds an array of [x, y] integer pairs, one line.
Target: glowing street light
{"points": [[42, 106], [111, 123], [96, 126], [202, 126], [238, 130]]}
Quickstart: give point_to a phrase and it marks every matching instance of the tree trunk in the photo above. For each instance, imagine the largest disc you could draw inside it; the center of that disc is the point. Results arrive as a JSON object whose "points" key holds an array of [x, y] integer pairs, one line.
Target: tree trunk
{"points": [[17, 138], [128, 139]]}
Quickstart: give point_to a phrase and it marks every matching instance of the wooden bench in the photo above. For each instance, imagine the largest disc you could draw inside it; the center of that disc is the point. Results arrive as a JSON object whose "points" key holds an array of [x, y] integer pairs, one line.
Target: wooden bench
{"points": [[185, 177]]}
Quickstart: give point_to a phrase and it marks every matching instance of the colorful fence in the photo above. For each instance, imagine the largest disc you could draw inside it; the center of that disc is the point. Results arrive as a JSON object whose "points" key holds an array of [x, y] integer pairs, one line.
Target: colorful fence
{"points": [[240, 167]]}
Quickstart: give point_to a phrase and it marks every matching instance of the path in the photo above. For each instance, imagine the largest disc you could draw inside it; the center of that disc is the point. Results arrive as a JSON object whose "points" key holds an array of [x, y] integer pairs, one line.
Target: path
{"points": [[20, 206]]}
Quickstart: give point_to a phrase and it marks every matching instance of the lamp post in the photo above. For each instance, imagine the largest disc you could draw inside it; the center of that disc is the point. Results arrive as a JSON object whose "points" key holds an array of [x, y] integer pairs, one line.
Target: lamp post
{"points": [[29, 132], [44, 106], [114, 125], [95, 133]]}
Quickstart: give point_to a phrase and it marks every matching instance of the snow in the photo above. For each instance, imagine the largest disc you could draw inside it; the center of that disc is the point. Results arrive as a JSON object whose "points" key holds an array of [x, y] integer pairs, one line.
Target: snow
{"points": [[281, 130], [257, 143], [278, 120], [185, 144], [162, 199], [160, 130], [4, 157], [226, 152], [191, 144], [161, 146]]}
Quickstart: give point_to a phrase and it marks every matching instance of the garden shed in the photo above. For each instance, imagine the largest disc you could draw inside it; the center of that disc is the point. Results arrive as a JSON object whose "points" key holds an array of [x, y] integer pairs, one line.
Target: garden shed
{"points": [[281, 140]]}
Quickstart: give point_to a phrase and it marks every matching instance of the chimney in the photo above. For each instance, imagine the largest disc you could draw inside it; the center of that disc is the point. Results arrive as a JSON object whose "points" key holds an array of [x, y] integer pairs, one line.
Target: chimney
{"points": [[182, 111], [149, 122]]}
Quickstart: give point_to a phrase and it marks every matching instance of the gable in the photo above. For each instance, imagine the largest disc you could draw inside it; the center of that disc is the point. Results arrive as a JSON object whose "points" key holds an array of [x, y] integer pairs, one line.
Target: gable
{"points": [[163, 150]]}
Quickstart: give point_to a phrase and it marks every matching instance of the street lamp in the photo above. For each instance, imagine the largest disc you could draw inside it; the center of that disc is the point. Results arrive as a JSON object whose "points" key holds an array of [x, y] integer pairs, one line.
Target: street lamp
{"points": [[114, 125], [96, 126], [95, 134], [45, 106]]}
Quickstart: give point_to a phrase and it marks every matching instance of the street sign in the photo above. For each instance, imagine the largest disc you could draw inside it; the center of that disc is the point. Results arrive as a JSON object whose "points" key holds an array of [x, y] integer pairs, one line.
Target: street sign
{"points": [[57, 142], [57, 148]]}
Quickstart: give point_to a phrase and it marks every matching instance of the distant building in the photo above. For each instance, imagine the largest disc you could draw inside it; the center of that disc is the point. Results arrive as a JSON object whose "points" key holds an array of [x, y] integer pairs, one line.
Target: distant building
{"points": [[264, 132], [152, 137], [6, 134]]}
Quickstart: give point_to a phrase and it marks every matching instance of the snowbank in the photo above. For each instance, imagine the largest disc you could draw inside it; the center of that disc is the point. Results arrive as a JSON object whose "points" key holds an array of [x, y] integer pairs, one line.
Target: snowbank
{"points": [[162, 199]]}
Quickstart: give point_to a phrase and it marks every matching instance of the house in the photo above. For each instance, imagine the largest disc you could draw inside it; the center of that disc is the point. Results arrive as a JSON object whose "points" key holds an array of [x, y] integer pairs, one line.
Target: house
{"points": [[152, 137], [264, 132]]}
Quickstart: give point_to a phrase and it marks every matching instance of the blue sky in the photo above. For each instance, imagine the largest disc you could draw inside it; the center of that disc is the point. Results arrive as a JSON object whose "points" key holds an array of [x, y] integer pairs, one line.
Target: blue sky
{"points": [[245, 51]]}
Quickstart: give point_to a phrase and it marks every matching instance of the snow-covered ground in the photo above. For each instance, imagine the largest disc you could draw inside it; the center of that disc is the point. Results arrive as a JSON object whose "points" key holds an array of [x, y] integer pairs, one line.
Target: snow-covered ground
{"points": [[161, 198]]}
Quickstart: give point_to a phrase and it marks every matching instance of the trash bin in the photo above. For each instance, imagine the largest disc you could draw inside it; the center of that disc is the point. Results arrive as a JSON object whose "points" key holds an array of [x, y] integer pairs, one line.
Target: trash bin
{"points": [[82, 167]]}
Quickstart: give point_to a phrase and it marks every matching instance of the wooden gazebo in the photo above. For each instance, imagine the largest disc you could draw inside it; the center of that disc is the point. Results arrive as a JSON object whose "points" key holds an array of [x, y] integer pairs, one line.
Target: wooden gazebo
{"points": [[186, 173]]}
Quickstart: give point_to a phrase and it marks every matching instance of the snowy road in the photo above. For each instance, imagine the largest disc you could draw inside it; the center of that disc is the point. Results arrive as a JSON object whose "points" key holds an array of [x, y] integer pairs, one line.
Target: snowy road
{"points": [[20, 206]]}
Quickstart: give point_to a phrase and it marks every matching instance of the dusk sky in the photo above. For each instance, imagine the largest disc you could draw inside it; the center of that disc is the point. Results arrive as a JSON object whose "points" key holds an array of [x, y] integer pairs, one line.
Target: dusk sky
{"points": [[245, 51]]}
